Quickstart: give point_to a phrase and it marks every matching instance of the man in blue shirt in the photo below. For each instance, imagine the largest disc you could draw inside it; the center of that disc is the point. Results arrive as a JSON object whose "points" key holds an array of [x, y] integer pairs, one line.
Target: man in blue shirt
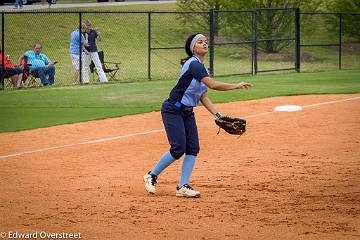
{"points": [[41, 64], [75, 39]]}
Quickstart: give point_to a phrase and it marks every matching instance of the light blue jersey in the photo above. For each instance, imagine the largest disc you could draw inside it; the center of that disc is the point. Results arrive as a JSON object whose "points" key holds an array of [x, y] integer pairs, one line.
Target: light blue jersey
{"points": [[189, 88]]}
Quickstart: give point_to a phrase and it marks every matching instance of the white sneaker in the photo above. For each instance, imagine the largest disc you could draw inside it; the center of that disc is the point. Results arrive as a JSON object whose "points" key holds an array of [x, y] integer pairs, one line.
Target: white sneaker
{"points": [[150, 183], [187, 191]]}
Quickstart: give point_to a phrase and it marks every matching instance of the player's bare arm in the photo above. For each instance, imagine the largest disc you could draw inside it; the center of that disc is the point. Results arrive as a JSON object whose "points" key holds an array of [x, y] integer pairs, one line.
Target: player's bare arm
{"points": [[205, 100], [221, 86]]}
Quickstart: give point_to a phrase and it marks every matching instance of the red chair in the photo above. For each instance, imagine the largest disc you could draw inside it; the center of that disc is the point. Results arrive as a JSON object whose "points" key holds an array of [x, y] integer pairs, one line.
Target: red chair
{"points": [[34, 79]]}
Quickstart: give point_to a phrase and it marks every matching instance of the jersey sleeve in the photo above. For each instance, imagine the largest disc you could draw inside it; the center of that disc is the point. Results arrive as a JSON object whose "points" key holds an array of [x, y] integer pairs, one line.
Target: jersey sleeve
{"points": [[198, 70]]}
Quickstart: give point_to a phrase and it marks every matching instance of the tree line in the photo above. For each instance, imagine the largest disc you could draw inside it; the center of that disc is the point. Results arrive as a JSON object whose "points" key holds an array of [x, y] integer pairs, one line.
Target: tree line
{"points": [[270, 24]]}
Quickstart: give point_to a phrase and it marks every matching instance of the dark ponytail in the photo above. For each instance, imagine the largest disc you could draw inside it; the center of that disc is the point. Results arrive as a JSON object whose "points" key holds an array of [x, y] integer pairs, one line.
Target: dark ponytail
{"points": [[187, 48]]}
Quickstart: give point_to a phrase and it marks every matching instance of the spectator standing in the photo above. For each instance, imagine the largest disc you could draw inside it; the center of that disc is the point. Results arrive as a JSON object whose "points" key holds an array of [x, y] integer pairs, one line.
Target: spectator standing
{"points": [[18, 4], [91, 36], [49, 2], [76, 38]]}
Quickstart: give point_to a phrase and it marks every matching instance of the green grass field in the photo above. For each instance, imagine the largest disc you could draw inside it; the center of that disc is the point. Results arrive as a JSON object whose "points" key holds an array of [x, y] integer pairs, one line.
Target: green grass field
{"points": [[43, 107]]}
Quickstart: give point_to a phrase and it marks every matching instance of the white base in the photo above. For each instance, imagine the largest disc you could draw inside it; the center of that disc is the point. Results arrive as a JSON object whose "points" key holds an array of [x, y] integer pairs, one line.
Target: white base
{"points": [[288, 108]]}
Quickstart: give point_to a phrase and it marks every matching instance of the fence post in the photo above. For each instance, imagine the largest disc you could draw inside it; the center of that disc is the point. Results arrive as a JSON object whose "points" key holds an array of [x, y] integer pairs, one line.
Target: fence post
{"points": [[149, 45], [340, 39], [254, 44], [2, 51], [297, 40], [80, 48], [212, 39]]}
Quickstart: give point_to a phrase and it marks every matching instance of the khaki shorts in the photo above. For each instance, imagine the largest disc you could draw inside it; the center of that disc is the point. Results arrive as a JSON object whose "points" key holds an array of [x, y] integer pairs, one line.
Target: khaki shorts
{"points": [[75, 61]]}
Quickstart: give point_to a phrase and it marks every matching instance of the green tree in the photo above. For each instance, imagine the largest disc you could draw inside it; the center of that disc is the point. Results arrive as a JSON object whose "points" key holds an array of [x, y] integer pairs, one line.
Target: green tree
{"points": [[350, 20], [200, 20], [238, 25]]}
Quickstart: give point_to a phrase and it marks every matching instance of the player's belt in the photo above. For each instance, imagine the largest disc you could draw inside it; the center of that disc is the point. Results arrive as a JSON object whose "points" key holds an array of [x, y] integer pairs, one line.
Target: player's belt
{"points": [[180, 105]]}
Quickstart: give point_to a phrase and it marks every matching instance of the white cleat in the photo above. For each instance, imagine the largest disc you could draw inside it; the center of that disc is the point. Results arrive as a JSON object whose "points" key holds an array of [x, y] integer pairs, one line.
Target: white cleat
{"points": [[150, 183], [187, 191]]}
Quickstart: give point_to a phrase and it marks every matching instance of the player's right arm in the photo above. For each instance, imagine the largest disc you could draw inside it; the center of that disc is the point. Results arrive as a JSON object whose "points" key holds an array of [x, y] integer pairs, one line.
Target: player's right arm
{"points": [[198, 70], [221, 86]]}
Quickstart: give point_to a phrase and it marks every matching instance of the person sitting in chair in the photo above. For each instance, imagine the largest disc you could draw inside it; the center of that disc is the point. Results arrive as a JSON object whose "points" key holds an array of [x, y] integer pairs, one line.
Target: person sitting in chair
{"points": [[91, 36], [40, 63], [11, 71]]}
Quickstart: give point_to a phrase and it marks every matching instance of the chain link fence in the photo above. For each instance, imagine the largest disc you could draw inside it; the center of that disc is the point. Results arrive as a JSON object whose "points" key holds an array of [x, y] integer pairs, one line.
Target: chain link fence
{"points": [[149, 45], [326, 44], [168, 32], [233, 42]]}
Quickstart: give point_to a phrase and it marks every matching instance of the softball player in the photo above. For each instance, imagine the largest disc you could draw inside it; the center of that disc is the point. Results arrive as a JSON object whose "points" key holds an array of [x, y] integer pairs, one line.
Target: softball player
{"points": [[178, 116]]}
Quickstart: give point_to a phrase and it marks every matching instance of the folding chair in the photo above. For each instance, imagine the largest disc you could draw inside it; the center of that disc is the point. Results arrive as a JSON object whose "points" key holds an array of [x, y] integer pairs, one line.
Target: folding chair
{"points": [[110, 68], [33, 77]]}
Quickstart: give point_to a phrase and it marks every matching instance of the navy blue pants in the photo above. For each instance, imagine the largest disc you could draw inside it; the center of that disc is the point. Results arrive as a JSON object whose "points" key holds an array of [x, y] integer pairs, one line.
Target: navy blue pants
{"points": [[181, 129]]}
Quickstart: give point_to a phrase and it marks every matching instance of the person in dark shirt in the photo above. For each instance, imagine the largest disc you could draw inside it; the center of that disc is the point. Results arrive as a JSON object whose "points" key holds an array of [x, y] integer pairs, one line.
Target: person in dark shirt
{"points": [[91, 36], [49, 2]]}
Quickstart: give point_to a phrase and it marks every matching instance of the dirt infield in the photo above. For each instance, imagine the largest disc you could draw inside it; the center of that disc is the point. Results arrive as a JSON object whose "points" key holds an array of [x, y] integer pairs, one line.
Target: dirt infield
{"points": [[292, 176]]}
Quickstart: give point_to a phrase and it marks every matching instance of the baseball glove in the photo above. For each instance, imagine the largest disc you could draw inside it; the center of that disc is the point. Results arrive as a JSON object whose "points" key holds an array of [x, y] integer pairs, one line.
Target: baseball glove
{"points": [[231, 125]]}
